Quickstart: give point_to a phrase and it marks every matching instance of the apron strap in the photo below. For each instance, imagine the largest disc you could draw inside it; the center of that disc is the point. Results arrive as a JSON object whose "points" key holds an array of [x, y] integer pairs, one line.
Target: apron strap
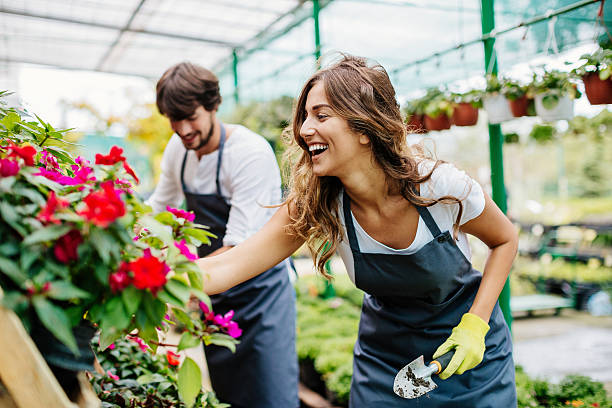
{"points": [[221, 144], [427, 217], [348, 222]]}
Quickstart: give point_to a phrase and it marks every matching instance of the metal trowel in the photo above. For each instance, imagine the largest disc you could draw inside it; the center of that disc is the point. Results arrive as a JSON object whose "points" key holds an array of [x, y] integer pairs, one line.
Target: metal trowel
{"points": [[414, 379]]}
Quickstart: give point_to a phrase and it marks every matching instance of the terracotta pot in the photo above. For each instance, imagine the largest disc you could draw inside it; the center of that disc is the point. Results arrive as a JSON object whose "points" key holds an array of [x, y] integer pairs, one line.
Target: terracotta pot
{"points": [[464, 114], [414, 124], [440, 122], [597, 91], [519, 106]]}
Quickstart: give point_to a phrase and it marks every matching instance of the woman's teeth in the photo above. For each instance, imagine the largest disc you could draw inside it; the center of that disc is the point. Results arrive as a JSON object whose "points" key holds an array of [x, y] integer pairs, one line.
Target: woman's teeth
{"points": [[316, 149]]}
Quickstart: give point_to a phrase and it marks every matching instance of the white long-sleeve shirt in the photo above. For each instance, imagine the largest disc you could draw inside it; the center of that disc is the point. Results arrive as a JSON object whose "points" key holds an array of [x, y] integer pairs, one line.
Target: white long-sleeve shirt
{"points": [[249, 178]]}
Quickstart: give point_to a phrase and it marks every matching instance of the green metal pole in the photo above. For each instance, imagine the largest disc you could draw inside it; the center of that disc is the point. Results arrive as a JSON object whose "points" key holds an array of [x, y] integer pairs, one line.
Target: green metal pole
{"points": [[235, 71], [495, 141], [315, 15]]}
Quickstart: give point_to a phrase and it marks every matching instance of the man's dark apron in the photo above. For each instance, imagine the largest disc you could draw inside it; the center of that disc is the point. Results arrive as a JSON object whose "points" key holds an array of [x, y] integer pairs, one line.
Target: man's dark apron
{"points": [[412, 303], [263, 372]]}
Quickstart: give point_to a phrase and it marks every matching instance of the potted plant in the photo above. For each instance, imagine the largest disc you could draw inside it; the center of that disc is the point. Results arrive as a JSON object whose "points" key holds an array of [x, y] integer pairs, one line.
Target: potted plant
{"points": [[465, 108], [415, 114], [494, 102], [520, 98], [554, 96], [595, 74], [69, 257], [438, 110]]}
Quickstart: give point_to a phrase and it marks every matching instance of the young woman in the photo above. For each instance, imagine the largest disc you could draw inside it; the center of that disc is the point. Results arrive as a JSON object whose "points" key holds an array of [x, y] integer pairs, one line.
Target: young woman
{"points": [[399, 221]]}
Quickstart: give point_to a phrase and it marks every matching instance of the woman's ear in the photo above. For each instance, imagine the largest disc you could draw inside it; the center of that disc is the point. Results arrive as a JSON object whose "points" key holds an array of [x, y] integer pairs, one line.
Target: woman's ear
{"points": [[364, 140]]}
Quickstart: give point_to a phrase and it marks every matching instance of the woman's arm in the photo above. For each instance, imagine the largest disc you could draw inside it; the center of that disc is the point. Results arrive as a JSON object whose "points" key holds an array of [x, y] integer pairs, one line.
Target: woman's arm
{"points": [[260, 252], [494, 229]]}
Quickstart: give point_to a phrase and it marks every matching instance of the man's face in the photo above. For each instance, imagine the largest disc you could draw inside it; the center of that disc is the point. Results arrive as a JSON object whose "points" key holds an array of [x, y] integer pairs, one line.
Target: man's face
{"points": [[196, 130]]}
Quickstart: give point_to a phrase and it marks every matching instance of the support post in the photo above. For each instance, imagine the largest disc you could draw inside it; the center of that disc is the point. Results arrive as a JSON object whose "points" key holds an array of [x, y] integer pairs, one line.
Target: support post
{"points": [[495, 141], [235, 72], [315, 15]]}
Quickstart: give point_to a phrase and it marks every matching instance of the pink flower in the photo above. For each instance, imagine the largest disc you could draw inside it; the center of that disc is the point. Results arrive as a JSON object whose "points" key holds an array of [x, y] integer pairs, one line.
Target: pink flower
{"points": [[189, 216], [143, 346], [65, 249], [49, 160], [182, 246], [120, 279], [47, 213], [112, 376], [8, 167], [233, 330], [112, 346], [208, 314], [57, 177], [82, 172], [223, 321]]}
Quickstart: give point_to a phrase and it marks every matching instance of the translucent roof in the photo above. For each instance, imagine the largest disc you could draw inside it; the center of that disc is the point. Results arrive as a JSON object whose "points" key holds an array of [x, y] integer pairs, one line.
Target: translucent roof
{"points": [[274, 40]]}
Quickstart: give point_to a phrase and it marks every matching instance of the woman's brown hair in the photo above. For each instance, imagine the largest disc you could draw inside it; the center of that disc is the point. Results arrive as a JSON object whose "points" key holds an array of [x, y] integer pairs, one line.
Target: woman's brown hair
{"points": [[363, 96], [184, 87]]}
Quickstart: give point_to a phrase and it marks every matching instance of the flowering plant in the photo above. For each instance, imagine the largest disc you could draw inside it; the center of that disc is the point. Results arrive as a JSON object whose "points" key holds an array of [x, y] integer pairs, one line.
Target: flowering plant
{"points": [[69, 252]]}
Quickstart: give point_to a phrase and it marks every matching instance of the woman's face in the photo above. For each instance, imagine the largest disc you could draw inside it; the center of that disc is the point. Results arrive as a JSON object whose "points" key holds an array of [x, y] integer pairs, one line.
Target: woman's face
{"points": [[333, 146]]}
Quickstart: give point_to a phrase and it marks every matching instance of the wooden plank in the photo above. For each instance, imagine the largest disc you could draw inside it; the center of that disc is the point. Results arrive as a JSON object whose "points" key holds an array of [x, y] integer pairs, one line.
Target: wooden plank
{"points": [[24, 372]]}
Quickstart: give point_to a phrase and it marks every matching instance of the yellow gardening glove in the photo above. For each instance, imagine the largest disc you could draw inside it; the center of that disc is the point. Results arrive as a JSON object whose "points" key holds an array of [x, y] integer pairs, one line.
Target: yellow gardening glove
{"points": [[467, 339]]}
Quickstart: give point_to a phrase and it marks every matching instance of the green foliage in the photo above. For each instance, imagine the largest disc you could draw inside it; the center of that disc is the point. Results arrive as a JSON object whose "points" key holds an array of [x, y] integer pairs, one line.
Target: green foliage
{"points": [[554, 84], [473, 97], [543, 133], [494, 84], [599, 61], [145, 380], [513, 90]]}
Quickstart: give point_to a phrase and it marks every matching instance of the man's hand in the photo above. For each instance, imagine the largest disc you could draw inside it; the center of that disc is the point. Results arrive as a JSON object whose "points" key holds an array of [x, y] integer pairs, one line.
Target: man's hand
{"points": [[467, 338]]}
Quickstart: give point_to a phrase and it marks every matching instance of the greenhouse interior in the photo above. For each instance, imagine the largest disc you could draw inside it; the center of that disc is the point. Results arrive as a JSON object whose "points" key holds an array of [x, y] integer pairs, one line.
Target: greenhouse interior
{"points": [[137, 273]]}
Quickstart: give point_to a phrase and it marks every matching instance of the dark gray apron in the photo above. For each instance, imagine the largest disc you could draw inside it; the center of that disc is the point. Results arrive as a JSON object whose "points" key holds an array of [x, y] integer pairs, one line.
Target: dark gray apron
{"points": [[412, 303], [263, 372]]}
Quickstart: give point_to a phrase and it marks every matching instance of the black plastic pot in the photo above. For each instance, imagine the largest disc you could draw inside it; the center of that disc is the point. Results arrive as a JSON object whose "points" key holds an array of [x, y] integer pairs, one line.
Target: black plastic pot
{"points": [[582, 293], [63, 363]]}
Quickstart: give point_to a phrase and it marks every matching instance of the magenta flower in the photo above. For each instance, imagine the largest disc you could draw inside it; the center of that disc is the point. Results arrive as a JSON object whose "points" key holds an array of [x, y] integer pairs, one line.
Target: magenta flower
{"points": [[189, 216], [143, 346], [57, 177], [182, 246], [49, 160], [8, 167], [112, 346], [224, 320], [208, 314], [233, 329], [112, 376]]}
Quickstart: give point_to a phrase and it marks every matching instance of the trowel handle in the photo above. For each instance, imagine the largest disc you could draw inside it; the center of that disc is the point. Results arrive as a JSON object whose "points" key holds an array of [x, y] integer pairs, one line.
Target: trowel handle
{"points": [[442, 361]]}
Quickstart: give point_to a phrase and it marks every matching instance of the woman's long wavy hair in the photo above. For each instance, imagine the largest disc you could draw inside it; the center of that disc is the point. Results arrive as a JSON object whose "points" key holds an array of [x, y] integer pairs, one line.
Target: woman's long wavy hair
{"points": [[364, 97]]}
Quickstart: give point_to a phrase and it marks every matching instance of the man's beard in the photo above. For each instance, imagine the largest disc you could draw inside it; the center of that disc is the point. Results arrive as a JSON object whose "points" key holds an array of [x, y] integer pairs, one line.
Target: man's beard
{"points": [[205, 141]]}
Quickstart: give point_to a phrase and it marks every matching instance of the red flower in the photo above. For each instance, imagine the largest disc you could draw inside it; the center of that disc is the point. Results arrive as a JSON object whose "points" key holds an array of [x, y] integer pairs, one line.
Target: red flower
{"points": [[113, 157], [120, 279], [47, 213], [65, 249], [173, 358], [129, 171], [148, 272], [8, 167], [27, 153], [103, 207]]}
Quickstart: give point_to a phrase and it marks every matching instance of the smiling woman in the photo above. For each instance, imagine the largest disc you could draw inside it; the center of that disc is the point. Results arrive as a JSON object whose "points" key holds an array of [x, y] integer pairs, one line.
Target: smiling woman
{"points": [[399, 221]]}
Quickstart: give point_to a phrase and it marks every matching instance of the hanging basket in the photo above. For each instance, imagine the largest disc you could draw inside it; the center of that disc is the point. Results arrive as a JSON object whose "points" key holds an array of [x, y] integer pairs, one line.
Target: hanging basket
{"points": [[598, 92], [520, 106], [563, 109], [414, 124], [464, 114], [440, 122], [497, 107]]}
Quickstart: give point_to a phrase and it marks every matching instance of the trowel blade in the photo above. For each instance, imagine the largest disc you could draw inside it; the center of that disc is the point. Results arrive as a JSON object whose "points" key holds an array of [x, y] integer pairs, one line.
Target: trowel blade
{"points": [[414, 380]]}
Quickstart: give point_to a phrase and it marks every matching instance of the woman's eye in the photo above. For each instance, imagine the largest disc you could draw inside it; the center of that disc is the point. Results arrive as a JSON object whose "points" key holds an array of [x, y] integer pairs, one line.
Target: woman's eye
{"points": [[321, 116]]}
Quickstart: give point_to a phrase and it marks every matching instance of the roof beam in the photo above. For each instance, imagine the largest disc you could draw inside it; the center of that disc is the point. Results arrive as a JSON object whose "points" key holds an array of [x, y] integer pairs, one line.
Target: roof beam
{"points": [[115, 43], [115, 27]]}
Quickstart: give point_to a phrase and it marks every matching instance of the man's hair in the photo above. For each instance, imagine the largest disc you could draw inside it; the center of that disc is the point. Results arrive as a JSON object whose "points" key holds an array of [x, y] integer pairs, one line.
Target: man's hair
{"points": [[184, 87]]}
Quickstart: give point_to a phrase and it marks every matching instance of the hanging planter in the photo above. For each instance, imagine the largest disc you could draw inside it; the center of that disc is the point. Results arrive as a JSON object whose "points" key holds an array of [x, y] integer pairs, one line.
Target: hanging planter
{"points": [[523, 106], [440, 122], [555, 94], [497, 107], [464, 114], [520, 98], [595, 74], [598, 91]]}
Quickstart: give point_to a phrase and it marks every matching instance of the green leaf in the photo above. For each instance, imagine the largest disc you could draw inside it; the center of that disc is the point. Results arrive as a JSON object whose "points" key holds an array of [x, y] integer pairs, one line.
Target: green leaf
{"points": [[9, 248], [154, 308], [28, 256], [168, 297], [108, 337], [102, 243], [10, 269], [61, 154], [33, 195], [188, 340], [202, 296], [46, 234], [165, 217], [550, 101], [199, 234], [64, 290], [183, 317], [178, 289], [131, 299], [151, 378], [163, 232], [56, 321], [224, 340], [6, 184], [189, 381], [115, 317], [195, 279], [12, 218]]}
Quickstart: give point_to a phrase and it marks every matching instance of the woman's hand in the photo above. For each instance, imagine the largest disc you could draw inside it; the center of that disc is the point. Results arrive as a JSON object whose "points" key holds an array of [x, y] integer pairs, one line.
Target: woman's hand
{"points": [[467, 339]]}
